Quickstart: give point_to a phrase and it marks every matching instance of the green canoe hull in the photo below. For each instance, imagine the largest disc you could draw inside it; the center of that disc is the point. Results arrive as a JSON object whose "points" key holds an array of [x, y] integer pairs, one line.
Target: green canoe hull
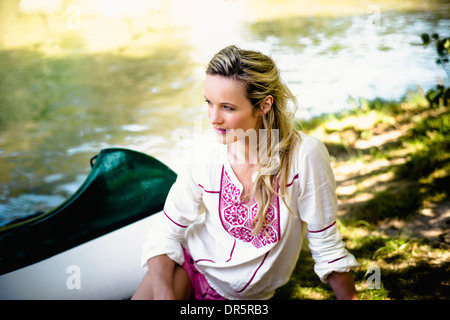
{"points": [[124, 186]]}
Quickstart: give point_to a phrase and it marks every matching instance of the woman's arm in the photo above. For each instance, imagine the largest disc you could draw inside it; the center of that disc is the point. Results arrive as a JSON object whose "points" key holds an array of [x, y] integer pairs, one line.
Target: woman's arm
{"points": [[343, 285], [317, 206], [162, 251]]}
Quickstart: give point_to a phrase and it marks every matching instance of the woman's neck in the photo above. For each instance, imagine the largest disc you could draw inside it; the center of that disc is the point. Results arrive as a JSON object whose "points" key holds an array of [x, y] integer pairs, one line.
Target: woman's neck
{"points": [[243, 152], [243, 161]]}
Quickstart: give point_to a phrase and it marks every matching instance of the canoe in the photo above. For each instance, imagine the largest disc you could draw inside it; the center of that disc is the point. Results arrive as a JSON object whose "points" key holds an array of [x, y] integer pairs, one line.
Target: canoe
{"points": [[89, 246]]}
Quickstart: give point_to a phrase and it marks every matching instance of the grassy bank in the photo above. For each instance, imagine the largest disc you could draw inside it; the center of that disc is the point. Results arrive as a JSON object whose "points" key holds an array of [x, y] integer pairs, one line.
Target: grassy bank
{"points": [[391, 161]]}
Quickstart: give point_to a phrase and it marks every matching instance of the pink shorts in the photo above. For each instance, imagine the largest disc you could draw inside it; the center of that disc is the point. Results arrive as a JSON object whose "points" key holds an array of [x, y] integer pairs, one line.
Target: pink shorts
{"points": [[202, 289]]}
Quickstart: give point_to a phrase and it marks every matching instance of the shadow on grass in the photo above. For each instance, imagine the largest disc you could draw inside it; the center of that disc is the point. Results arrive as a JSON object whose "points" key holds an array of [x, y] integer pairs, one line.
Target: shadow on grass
{"points": [[304, 283], [405, 272], [422, 281]]}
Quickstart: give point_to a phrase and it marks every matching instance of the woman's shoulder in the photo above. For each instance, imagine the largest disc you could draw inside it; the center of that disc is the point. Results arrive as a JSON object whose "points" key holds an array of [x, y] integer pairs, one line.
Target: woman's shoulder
{"points": [[310, 144], [310, 150], [200, 157], [209, 153]]}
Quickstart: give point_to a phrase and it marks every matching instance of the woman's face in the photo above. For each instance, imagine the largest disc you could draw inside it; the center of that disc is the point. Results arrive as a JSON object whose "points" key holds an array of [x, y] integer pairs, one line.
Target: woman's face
{"points": [[229, 109]]}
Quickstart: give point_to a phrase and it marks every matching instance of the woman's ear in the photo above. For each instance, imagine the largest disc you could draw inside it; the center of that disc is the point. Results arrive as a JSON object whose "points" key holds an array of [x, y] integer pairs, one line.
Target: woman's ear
{"points": [[266, 104]]}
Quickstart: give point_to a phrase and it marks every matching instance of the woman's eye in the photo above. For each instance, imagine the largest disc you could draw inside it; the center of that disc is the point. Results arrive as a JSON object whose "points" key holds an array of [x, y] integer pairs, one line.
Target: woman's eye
{"points": [[228, 108]]}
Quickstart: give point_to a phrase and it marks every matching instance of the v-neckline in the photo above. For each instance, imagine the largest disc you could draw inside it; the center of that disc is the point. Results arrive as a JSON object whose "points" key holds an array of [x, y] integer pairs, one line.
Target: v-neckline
{"points": [[233, 177]]}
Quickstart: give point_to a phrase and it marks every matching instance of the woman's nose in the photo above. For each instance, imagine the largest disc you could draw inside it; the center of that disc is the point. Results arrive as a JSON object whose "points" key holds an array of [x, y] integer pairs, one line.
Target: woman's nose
{"points": [[214, 115]]}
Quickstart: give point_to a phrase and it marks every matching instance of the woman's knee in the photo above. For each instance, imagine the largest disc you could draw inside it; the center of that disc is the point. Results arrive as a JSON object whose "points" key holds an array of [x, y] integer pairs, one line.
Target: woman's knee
{"points": [[144, 290], [182, 286]]}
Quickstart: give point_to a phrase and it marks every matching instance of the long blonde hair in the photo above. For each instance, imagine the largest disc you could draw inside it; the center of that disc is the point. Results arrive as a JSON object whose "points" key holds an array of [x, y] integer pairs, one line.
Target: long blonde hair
{"points": [[261, 78]]}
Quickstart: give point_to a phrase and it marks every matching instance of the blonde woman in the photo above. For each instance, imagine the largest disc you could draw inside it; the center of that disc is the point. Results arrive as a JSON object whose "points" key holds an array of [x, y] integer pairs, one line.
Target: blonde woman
{"points": [[235, 219]]}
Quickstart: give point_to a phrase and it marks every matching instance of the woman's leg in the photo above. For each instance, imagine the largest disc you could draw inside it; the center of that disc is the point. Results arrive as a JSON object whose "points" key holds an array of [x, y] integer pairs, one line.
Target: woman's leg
{"points": [[181, 285]]}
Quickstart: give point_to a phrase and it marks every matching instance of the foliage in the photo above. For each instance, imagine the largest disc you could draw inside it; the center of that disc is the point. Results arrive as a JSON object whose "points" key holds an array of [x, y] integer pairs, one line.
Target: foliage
{"points": [[440, 95], [442, 48]]}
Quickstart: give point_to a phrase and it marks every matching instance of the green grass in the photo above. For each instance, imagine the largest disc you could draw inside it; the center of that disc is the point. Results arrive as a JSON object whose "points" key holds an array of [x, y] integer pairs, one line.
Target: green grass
{"points": [[395, 202], [409, 269]]}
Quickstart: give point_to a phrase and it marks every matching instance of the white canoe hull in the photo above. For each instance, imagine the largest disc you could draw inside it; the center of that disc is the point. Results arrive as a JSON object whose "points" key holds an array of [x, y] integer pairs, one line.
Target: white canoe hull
{"points": [[105, 268]]}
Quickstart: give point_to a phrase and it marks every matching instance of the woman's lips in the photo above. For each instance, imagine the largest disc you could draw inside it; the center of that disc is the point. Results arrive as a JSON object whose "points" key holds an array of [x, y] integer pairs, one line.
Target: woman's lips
{"points": [[221, 131]]}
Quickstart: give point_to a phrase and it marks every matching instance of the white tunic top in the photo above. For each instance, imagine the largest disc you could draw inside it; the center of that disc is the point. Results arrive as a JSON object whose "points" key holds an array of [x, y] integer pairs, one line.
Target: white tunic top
{"points": [[203, 213]]}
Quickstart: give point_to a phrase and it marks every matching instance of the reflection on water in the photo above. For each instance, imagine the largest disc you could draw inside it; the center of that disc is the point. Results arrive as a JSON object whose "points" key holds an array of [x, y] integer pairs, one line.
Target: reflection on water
{"points": [[85, 75], [327, 60], [60, 111]]}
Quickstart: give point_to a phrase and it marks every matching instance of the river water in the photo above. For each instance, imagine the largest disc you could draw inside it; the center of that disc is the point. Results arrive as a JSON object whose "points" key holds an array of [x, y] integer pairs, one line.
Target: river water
{"points": [[77, 77]]}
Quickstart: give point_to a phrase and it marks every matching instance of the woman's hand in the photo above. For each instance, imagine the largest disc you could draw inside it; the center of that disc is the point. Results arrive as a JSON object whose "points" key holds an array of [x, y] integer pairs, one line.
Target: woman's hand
{"points": [[343, 285]]}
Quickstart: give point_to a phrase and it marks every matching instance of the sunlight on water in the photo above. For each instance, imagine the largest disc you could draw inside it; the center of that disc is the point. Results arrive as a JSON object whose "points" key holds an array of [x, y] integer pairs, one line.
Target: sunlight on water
{"points": [[82, 75]]}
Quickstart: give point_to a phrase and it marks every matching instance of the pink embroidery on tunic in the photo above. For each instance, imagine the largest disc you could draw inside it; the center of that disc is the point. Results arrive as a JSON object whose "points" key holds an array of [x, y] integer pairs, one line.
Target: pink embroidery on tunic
{"points": [[237, 217]]}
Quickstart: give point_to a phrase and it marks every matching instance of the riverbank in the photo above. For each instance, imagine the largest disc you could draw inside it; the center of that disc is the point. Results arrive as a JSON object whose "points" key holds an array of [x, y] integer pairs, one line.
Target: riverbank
{"points": [[391, 162]]}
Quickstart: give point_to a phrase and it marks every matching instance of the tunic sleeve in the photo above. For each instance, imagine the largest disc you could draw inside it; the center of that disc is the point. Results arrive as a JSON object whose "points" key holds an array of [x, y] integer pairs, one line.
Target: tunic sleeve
{"points": [[181, 209], [317, 205]]}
